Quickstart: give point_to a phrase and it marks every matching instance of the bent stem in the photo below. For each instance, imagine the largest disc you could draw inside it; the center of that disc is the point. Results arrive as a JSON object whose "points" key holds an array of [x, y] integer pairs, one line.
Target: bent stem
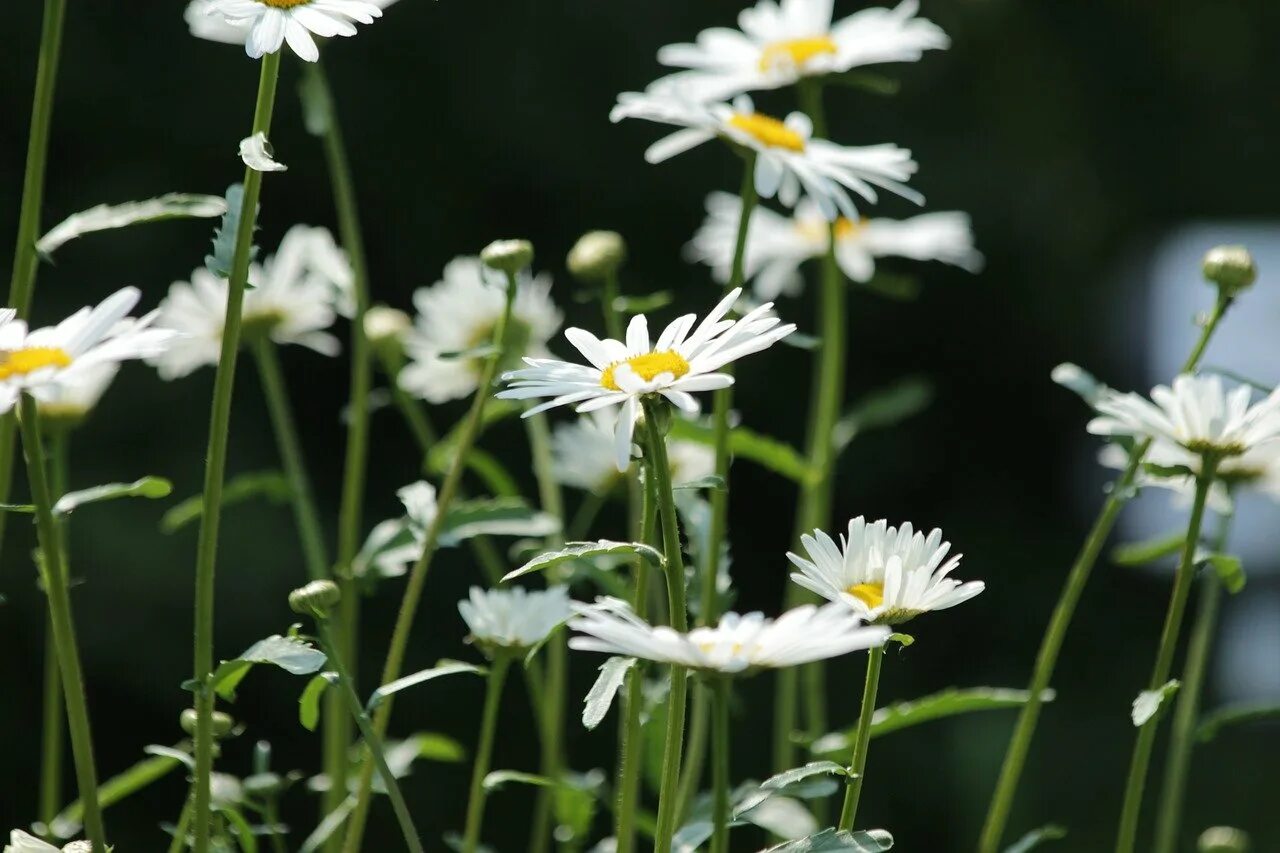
{"points": [[53, 730], [1056, 632], [54, 577], [216, 463], [484, 752], [720, 691], [858, 763], [1142, 749]]}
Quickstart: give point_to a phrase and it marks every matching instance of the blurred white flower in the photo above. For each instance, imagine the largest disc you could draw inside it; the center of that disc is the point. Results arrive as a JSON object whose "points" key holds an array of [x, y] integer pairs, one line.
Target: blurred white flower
{"points": [[71, 400], [21, 842], [1255, 470], [582, 455], [383, 323], [789, 160], [256, 153], [395, 544], [514, 618], [887, 575], [777, 245], [265, 25]]}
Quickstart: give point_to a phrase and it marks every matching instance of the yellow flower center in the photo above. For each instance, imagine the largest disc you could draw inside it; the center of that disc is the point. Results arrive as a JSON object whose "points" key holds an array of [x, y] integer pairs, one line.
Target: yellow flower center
{"points": [[284, 4], [24, 361], [848, 228], [870, 594], [795, 52], [647, 366], [767, 130]]}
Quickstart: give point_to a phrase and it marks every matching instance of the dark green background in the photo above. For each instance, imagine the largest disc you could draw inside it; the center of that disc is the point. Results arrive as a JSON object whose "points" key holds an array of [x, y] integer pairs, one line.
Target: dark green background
{"points": [[1071, 131]]}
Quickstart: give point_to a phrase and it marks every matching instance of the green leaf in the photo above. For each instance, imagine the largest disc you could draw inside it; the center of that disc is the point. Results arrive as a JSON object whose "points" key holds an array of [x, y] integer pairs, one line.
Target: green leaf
{"points": [[171, 753], [119, 787], [317, 108], [440, 457], [433, 746], [767, 452], [832, 840], [1227, 567], [1148, 550], [1149, 702], [442, 668], [883, 408], [224, 237], [309, 701], [332, 822], [243, 829], [1168, 471], [289, 653], [499, 778], [491, 472], [482, 351], [711, 482], [495, 517], [271, 485], [643, 304], [796, 774], [105, 217], [584, 550], [147, 487], [1035, 837], [867, 81], [613, 673], [1235, 715], [901, 288], [901, 639], [1077, 379]]}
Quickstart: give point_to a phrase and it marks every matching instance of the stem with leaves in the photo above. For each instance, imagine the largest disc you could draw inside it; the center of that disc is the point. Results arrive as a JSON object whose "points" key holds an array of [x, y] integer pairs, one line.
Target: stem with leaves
{"points": [[484, 751], [858, 763]]}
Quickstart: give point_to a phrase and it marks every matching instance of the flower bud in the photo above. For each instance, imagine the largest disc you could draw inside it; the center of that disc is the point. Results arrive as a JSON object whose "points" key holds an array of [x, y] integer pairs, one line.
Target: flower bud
{"points": [[596, 255], [1223, 839], [222, 723], [383, 324], [1231, 268], [315, 598], [508, 256]]}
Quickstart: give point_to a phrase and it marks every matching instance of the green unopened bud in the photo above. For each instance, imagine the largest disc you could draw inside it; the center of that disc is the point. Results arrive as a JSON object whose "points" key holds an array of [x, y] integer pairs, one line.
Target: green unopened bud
{"points": [[597, 254], [315, 599], [1223, 839], [1231, 268], [263, 785], [383, 324], [222, 723], [508, 256]]}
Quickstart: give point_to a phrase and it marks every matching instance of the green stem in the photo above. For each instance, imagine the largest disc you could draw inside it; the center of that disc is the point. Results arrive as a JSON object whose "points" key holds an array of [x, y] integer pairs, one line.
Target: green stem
{"points": [[182, 830], [610, 290], [54, 726], [1188, 708], [394, 663], [858, 763], [720, 767], [372, 742], [216, 462], [271, 815], [1056, 632], [1142, 749], [54, 576], [699, 730], [660, 469], [484, 752], [295, 468]]}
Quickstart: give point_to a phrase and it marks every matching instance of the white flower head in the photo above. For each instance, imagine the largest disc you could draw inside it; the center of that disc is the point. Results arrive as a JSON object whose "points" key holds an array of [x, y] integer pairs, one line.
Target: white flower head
{"points": [[782, 42], [266, 25], [70, 401], [777, 245], [22, 842], [204, 22], [737, 644], [257, 154], [582, 455], [1197, 414], [50, 363], [887, 575], [293, 298], [683, 359], [513, 618], [459, 313], [789, 159]]}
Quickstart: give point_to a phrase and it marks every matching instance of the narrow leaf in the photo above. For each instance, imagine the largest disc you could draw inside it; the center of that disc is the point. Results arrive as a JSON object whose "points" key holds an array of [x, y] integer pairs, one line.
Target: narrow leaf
{"points": [[1235, 715], [105, 217], [1035, 837], [121, 786], [831, 840], [1148, 550], [309, 701], [332, 822], [170, 753], [867, 81], [271, 485], [883, 408], [796, 774], [498, 778], [1149, 702], [600, 697], [767, 452], [711, 482], [147, 487], [643, 304], [583, 550], [441, 669], [495, 517]]}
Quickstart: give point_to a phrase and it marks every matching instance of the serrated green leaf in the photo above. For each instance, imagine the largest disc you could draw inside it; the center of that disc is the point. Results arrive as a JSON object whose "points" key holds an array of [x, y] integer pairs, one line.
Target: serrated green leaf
{"points": [[146, 487], [1036, 837], [271, 485], [1234, 715], [1148, 550], [309, 701], [291, 654], [107, 217], [883, 408], [224, 237], [832, 840], [441, 669], [613, 672], [1149, 702], [495, 517], [584, 550], [796, 774], [766, 452]]}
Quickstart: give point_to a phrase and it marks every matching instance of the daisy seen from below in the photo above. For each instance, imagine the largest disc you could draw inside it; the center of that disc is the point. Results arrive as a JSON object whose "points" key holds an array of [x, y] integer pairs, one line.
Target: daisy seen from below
{"points": [[293, 299], [582, 455], [737, 644], [779, 43], [22, 842], [69, 402], [204, 22], [789, 161], [777, 245], [1172, 467], [513, 619], [684, 359], [268, 24], [458, 314], [887, 575]]}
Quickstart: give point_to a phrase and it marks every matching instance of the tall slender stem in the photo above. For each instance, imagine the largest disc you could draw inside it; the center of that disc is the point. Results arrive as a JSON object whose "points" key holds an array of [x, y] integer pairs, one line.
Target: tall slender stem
{"points": [[1056, 632], [1182, 739], [183, 828], [53, 732], [391, 669], [611, 289], [1142, 749], [295, 468], [54, 577], [858, 763], [216, 462], [720, 752], [484, 752]]}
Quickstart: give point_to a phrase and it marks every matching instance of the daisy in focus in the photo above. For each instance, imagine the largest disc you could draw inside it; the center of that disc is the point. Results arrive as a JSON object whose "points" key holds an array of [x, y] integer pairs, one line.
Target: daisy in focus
{"points": [[513, 619], [293, 299], [737, 644], [264, 26], [582, 455], [683, 359], [788, 159], [777, 245], [459, 313], [887, 575], [783, 42], [53, 362]]}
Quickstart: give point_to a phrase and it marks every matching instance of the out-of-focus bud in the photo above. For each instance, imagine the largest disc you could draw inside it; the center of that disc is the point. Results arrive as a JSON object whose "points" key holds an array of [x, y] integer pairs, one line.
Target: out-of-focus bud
{"points": [[508, 256], [315, 599], [597, 254], [1231, 268], [1223, 839], [383, 324], [222, 723]]}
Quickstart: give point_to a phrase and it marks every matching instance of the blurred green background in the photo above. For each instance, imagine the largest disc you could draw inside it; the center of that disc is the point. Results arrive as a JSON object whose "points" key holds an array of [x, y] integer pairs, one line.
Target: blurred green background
{"points": [[1072, 132]]}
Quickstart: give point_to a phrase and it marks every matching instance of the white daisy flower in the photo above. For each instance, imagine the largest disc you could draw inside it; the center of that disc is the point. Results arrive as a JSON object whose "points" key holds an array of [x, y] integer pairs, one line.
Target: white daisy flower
{"points": [[777, 245], [782, 42], [205, 23], [21, 842], [458, 314], [737, 644], [582, 455], [267, 24], [684, 359], [291, 298], [887, 575], [1255, 470], [789, 159], [1197, 414], [44, 362], [513, 618], [69, 402]]}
